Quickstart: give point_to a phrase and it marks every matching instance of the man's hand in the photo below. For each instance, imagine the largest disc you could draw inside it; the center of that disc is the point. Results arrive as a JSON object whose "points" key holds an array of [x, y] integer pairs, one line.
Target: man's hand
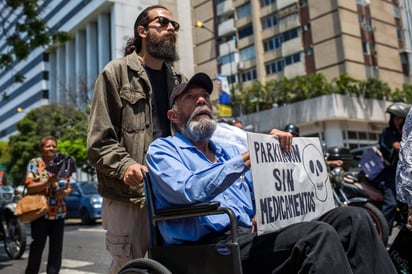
{"points": [[134, 174], [254, 224], [334, 163], [285, 138], [246, 158]]}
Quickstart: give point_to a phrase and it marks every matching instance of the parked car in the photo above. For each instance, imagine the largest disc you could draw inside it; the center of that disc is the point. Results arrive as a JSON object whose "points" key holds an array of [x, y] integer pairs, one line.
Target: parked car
{"points": [[84, 202]]}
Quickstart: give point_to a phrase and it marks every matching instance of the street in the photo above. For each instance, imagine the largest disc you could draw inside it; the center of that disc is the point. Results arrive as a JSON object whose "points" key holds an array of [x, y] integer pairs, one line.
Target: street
{"points": [[84, 251]]}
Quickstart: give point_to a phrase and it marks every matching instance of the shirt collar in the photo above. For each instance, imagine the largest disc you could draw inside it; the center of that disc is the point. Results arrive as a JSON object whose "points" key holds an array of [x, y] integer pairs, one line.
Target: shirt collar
{"points": [[185, 143]]}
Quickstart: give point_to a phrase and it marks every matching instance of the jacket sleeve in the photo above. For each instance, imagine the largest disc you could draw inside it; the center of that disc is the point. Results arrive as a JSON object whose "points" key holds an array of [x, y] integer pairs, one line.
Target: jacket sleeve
{"points": [[104, 149]]}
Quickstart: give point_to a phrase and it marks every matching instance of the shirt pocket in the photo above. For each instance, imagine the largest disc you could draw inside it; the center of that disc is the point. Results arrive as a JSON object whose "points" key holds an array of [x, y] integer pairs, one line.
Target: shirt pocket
{"points": [[134, 109]]}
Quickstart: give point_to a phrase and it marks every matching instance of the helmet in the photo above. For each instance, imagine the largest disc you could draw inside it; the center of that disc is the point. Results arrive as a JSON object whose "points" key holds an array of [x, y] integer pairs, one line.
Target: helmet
{"points": [[292, 129], [398, 109]]}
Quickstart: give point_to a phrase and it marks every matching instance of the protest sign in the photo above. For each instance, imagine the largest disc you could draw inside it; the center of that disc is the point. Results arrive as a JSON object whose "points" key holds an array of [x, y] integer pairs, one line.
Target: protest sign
{"points": [[289, 187]]}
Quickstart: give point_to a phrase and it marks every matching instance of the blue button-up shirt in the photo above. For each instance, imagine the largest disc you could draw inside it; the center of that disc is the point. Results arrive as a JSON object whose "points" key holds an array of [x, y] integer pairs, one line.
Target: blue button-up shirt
{"points": [[181, 174]]}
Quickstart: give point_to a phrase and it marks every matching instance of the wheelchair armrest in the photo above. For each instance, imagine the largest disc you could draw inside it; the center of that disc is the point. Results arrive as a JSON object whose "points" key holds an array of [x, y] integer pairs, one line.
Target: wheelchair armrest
{"points": [[187, 209], [196, 210]]}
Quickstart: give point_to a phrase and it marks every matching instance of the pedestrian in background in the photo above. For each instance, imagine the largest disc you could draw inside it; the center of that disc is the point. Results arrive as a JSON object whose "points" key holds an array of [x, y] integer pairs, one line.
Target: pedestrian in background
{"points": [[389, 144], [128, 111], [404, 171], [38, 180]]}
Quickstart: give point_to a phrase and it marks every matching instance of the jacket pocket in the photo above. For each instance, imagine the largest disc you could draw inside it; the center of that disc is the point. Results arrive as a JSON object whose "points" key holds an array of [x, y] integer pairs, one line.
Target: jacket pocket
{"points": [[133, 110]]}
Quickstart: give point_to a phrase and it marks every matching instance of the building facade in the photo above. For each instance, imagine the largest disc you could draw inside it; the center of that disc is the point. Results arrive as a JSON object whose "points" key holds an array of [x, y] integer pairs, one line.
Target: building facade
{"points": [[243, 40], [271, 39], [65, 74]]}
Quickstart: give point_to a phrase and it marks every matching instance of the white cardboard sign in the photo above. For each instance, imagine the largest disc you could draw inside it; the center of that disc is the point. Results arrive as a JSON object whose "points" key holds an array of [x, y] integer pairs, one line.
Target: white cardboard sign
{"points": [[289, 187]]}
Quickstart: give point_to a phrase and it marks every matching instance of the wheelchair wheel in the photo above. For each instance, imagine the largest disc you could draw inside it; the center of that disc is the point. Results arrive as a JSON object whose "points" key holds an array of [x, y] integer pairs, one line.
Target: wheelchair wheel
{"points": [[144, 266]]}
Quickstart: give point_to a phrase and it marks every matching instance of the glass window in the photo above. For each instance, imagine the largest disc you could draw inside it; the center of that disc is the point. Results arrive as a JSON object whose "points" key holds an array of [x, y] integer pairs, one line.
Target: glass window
{"points": [[249, 75], [247, 53], [352, 135], [269, 21], [245, 31], [264, 3], [276, 41], [396, 13], [399, 34], [243, 11]]}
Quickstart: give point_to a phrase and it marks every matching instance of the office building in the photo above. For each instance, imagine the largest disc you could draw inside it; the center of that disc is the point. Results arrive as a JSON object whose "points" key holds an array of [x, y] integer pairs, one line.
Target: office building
{"points": [[65, 74], [271, 39]]}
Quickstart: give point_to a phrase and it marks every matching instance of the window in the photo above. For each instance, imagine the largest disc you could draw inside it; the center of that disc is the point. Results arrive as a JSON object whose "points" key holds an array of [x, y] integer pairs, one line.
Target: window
{"points": [[280, 64], [270, 21], [364, 47], [245, 31], [243, 11], [275, 66], [276, 41], [309, 51], [226, 59], [396, 12], [249, 75], [272, 44], [247, 53], [264, 3], [399, 33]]}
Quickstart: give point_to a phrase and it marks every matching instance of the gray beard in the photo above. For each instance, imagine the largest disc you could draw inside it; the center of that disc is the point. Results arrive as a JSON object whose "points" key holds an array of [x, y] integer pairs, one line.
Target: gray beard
{"points": [[199, 131]]}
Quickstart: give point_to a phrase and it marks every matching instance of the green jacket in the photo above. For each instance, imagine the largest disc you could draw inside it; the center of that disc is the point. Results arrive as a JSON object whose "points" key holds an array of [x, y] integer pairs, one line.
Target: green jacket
{"points": [[120, 124]]}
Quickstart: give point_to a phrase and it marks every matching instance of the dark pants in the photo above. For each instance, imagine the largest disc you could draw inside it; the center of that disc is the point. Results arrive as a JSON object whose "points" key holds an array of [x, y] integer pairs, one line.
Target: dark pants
{"points": [[342, 241], [40, 230], [386, 183]]}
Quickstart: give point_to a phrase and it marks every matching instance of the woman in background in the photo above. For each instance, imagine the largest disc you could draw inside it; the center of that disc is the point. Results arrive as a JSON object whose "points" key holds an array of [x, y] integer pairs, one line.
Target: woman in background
{"points": [[39, 180]]}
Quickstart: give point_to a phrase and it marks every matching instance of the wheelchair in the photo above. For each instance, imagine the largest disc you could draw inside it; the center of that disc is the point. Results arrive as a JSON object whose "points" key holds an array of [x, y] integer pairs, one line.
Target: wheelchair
{"points": [[186, 259]]}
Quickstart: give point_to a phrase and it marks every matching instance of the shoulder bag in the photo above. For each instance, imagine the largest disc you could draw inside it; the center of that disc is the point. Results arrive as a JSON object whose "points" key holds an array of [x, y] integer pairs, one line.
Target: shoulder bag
{"points": [[31, 207]]}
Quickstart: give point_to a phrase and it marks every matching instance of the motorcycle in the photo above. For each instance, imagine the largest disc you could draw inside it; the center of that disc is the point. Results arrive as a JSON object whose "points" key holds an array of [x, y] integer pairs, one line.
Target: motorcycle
{"points": [[12, 231], [368, 190], [344, 194]]}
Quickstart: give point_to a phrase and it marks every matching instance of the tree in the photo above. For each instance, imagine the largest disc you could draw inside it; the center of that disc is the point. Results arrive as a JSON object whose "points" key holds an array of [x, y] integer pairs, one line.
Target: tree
{"points": [[66, 123], [3, 152], [25, 34]]}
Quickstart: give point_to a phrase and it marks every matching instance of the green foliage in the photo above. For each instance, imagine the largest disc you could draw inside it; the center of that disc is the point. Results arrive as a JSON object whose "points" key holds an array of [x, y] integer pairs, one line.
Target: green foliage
{"points": [[29, 32], [258, 96], [3, 152], [66, 123]]}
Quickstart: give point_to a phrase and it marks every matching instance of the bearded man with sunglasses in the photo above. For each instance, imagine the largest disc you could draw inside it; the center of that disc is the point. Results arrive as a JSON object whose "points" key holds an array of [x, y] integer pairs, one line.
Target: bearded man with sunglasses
{"points": [[129, 110]]}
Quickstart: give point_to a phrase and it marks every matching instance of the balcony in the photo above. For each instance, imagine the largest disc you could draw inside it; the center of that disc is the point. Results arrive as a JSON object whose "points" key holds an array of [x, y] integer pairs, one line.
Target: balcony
{"points": [[285, 3], [225, 48], [226, 27], [224, 8]]}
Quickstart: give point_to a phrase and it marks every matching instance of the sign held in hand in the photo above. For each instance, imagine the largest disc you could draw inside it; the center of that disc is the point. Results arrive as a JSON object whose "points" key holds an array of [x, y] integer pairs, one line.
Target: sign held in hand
{"points": [[289, 187]]}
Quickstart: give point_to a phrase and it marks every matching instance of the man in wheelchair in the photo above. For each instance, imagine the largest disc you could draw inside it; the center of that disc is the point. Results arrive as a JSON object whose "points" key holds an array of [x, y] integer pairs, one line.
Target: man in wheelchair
{"points": [[189, 167]]}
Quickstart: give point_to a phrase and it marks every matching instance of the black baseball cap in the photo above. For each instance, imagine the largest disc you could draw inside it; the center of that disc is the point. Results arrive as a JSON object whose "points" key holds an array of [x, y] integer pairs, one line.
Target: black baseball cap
{"points": [[199, 79]]}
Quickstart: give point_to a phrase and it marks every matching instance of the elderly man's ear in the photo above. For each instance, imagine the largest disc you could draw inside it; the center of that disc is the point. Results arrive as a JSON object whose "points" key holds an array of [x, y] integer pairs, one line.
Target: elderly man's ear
{"points": [[171, 115]]}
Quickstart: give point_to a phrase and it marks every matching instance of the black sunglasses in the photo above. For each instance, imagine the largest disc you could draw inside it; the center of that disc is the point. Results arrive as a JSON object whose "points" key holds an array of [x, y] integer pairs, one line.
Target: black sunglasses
{"points": [[164, 22]]}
